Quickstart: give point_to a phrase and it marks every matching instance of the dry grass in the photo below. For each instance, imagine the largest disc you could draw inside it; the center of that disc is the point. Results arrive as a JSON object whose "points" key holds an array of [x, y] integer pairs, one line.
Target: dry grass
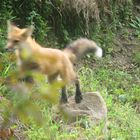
{"points": [[91, 9]]}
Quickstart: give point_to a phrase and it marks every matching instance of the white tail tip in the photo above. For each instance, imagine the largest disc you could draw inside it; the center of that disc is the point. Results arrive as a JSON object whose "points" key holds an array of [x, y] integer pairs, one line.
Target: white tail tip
{"points": [[99, 52]]}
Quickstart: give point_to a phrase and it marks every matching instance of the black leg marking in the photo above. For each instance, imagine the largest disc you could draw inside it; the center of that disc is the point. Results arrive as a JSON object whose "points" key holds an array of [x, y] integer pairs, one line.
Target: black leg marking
{"points": [[64, 96], [27, 79], [51, 79], [78, 95]]}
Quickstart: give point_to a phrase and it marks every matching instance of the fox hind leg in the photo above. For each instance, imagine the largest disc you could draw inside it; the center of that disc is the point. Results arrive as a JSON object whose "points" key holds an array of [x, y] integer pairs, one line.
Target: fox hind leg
{"points": [[78, 94], [64, 98]]}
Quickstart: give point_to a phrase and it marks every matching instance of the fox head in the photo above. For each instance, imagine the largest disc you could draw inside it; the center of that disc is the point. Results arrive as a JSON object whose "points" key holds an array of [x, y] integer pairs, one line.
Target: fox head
{"points": [[17, 36]]}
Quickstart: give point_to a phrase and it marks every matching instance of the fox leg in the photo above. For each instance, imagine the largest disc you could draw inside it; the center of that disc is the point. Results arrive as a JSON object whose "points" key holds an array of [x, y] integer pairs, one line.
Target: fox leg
{"points": [[28, 79], [78, 94], [64, 98], [52, 78], [24, 76]]}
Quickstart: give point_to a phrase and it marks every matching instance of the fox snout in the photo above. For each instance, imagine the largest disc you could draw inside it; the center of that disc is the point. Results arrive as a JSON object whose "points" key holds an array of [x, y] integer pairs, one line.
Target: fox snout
{"points": [[9, 48]]}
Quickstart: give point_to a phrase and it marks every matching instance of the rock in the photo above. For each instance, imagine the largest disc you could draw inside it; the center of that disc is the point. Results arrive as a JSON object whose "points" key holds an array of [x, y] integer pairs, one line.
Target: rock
{"points": [[92, 106]]}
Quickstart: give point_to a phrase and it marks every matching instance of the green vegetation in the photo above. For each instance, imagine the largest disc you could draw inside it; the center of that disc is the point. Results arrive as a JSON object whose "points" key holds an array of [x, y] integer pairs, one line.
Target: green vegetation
{"points": [[115, 25]]}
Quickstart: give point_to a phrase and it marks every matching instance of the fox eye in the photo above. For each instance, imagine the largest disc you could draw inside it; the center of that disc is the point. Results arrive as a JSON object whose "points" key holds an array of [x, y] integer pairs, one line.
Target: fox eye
{"points": [[16, 41]]}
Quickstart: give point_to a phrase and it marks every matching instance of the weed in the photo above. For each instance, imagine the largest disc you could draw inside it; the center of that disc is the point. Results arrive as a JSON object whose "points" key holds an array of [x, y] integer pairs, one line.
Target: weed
{"points": [[135, 24], [136, 58]]}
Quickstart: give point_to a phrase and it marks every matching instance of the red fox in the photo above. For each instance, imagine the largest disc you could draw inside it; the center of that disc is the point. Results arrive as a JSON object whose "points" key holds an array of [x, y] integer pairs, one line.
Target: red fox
{"points": [[49, 61]]}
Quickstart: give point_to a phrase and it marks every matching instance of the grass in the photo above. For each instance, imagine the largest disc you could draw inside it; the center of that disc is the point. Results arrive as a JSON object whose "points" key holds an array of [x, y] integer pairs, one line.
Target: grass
{"points": [[118, 88], [120, 93], [123, 120]]}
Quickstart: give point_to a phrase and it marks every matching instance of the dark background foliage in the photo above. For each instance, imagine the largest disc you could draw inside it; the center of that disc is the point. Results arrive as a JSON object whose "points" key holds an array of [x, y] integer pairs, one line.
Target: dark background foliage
{"points": [[63, 19]]}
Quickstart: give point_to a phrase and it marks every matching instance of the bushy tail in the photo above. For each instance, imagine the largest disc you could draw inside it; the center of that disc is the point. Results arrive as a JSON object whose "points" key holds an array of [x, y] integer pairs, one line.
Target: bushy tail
{"points": [[80, 47]]}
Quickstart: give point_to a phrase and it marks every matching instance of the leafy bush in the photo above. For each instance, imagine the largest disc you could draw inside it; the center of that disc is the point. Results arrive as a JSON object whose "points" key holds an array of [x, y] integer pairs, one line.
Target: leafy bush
{"points": [[66, 18]]}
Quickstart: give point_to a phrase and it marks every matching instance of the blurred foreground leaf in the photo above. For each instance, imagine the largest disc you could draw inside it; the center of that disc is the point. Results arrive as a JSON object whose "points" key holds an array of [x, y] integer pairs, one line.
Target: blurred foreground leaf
{"points": [[24, 96]]}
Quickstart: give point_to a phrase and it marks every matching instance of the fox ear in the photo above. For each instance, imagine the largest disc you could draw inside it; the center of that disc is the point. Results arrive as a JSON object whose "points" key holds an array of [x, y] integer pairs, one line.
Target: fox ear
{"points": [[27, 32], [9, 25]]}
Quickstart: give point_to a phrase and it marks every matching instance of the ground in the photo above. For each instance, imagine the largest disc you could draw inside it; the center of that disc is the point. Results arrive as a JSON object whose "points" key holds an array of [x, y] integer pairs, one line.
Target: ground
{"points": [[116, 76]]}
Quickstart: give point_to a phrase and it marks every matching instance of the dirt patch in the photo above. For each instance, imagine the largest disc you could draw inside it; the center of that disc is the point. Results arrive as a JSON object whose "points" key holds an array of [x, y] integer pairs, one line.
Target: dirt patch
{"points": [[122, 54]]}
